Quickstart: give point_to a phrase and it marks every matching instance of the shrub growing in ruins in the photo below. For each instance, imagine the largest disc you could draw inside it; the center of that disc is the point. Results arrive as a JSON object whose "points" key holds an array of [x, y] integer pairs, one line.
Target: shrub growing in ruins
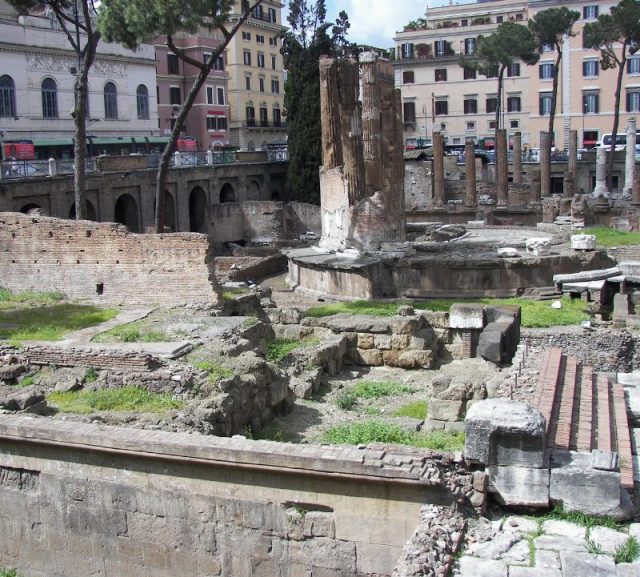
{"points": [[278, 349], [135, 399], [346, 399], [215, 371], [628, 552]]}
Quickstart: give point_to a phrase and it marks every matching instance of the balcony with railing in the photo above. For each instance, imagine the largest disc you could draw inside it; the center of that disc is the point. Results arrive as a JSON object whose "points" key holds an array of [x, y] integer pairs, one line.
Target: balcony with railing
{"points": [[265, 124]]}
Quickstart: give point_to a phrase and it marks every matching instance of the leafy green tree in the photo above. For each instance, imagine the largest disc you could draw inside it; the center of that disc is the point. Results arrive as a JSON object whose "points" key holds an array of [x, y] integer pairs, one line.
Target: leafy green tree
{"points": [[77, 21], [307, 40], [616, 36], [133, 22], [550, 27], [495, 53]]}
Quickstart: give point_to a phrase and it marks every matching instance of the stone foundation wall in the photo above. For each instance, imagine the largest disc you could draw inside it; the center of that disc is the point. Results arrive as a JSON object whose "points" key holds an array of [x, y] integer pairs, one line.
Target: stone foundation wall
{"points": [[103, 262], [300, 217], [79, 499]]}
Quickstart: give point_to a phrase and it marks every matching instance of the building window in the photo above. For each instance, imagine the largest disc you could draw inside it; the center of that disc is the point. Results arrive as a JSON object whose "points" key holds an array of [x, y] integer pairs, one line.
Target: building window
{"points": [[548, 48], [260, 60], [409, 112], [210, 99], [273, 62], [514, 124], [206, 56], [590, 12], [407, 51], [513, 69], [513, 104], [469, 74], [220, 92], [261, 83], [246, 56], [442, 48], [492, 124], [173, 64], [7, 97], [277, 120], [470, 105], [110, 100], [142, 102], [591, 103], [633, 100], [464, 22], [441, 74], [247, 82], [633, 66], [49, 98], [219, 63], [499, 19], [590, 68], [407, 77], [273, 41], [246, 35], [259, 38], [175, 95], [545, 71], [264, 119], [216, 123], [441, 107], [544, 104], [491, 104], [470, 126], [470, 45], [275, 86], [519, 17], [272, 14], [251, 115]]}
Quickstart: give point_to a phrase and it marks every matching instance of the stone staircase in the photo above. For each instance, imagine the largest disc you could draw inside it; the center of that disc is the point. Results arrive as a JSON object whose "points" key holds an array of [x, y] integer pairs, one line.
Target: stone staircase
{"points": [[584, 410]]}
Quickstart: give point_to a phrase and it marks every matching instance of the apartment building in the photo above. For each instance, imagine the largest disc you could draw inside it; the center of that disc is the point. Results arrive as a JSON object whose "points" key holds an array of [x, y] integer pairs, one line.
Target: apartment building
{"points": [[256, 78], [438, 94], [37, 78]]}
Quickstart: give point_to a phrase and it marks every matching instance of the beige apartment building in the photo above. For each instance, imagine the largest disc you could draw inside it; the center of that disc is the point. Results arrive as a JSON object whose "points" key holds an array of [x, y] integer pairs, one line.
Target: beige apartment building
{"points": [[438, 94], [256, 78]]}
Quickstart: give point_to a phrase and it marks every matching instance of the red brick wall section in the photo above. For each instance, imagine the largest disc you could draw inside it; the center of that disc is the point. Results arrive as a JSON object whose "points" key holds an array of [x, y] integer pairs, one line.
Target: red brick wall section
{"points": [[104, 262]]}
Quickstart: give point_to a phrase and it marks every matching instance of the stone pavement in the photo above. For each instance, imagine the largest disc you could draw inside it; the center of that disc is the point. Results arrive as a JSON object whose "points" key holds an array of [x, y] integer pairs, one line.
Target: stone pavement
{"points": [[529, 547]]}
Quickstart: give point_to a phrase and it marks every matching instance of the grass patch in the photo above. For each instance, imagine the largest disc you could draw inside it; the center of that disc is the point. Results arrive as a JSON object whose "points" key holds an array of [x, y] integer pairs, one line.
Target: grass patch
{"points": [[24, 383], [355, 308], [415, 410], [628, 552], [9, 299], [215, 371], [272, 432], [51, 322], [592, 547], [91, 376], [608, 237], [278, 349], [346, 399], [377, 432], [122, 399], [134, 332], [377, 389], [8, 573], [231, 293], [582, 519]]}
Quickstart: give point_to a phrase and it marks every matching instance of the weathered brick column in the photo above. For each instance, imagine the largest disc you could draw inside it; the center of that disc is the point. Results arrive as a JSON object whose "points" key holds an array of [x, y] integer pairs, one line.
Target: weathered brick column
{"points": [[470, 198], [438, 169], [502, 168], [517, 158], [545, 176]]}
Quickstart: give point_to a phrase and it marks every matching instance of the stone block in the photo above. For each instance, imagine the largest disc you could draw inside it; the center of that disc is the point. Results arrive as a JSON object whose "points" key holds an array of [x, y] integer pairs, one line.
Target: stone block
{"points": [[498, 341], [319, 524], [370, 358], [574, 563], [538, 246], [366, 341], [519, 486], [466, 316], [408, 359], [605, 460], [583, 242], [383, 342], [400, 342], [508, 252], [447, 410], [507, 428], [403, 325], [374, 558]]}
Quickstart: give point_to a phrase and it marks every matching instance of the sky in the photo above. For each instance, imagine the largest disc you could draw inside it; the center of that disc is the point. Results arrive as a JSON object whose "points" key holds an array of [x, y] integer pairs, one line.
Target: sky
{"points": [[375, 22]]}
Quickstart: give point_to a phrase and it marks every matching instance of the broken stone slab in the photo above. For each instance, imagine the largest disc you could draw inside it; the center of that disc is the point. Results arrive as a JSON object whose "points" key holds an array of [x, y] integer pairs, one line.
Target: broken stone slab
{"points": [[519, 486], [496, 547], [564, 528], [446, 410], [583, 242], [574, 563], [586, 275], [629, 267], [475, 567], [608, 539], [21, 400], [578, 486], [507, 252], [505, 432], [499, 340], [605, 460], [538, 246], [466, 316]]}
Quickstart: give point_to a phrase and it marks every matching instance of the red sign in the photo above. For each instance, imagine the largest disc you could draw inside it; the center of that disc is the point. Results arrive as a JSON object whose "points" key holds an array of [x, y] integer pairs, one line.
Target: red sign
{"points": [[19, 150]]}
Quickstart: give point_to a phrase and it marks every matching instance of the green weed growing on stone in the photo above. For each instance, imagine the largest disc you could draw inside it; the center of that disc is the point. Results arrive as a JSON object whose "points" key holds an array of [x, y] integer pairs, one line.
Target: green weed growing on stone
{"points": [[91, 376], [628, 552], [134, 332], [278, 349], [8, 573], [415, 410], [272, 432], [135, 399], [215, 371], [377, 389], [592, 547], [581, 519], [26, 382]]}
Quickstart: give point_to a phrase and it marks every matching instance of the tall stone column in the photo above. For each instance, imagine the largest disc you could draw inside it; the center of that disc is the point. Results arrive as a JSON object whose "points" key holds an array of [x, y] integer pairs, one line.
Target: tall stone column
{"points": [[470, 175], [545, 176], [502, 168], [371, 123], [535, 187], [601, 173], [630, 158], [517, 158], [438, 169], [636, 190], [573, 155]]}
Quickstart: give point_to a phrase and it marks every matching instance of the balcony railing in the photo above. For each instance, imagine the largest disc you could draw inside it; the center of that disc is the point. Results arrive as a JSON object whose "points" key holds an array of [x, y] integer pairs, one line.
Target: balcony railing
{"points": [[264, 124]]}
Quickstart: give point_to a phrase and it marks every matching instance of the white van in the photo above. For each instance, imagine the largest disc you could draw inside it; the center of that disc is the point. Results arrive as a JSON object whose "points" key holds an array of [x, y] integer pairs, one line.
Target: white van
{"points": [[621, 140]]}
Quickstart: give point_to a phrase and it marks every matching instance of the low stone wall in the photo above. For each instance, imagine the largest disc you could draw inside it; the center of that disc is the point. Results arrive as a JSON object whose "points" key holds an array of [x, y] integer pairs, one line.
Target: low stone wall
{"points": [[88, 356], [104, 262], [139, 503], [242, 269]]}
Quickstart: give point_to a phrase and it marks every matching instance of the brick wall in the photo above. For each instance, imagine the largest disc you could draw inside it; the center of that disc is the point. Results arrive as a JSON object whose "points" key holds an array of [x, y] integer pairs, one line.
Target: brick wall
{"points": [[103, 262]]}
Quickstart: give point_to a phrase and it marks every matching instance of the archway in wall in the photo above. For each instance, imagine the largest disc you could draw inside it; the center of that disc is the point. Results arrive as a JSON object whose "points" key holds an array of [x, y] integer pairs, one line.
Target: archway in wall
{"points": [[126, 212], [198, 210], [89, 211], [227, 193], [254, 190], [31, 208]]}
